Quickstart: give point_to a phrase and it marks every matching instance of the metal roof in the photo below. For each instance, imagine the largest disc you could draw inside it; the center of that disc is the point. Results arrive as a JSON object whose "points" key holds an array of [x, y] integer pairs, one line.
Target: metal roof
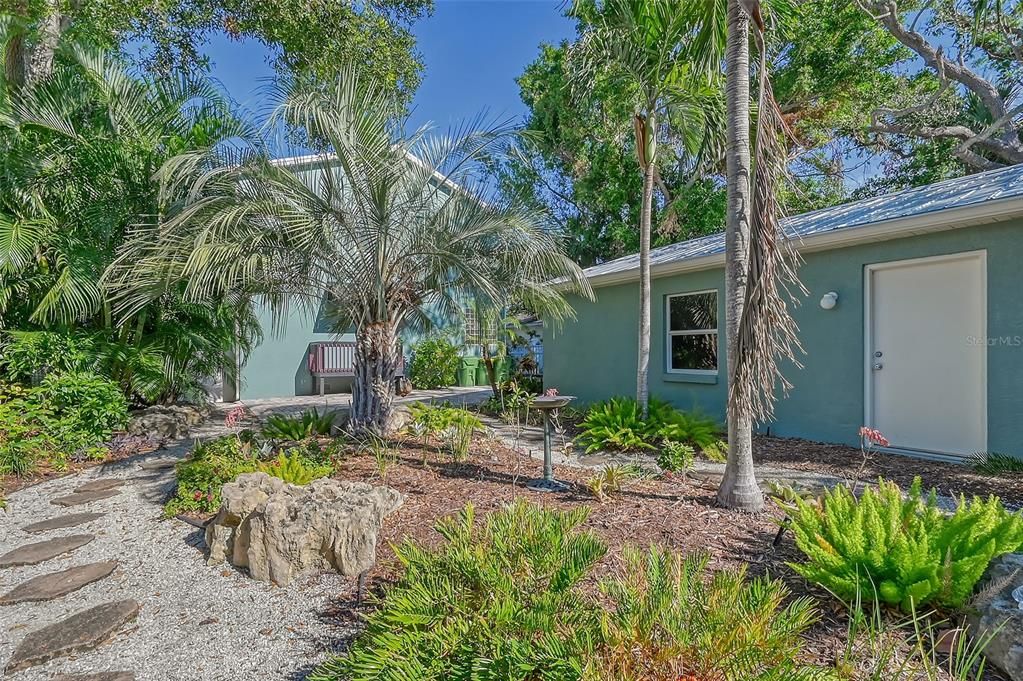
{"points": [[981, 188]]}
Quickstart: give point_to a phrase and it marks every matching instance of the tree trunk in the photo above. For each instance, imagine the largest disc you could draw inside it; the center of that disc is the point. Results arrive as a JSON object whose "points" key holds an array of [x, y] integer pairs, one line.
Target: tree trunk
{"points": [[376, 365], [39, 60], [739, 488], [14, 53], [646, 152]]}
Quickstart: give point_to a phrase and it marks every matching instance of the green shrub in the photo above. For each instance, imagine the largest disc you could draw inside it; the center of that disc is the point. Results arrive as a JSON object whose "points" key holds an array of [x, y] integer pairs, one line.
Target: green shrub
{"points": [[676, 457], [669, 620], [496, 601], [434, 364], [28, 352], [68, 416], [618, 425], [202, 475], [903, 550], [432, 419], [294, 468], [295, 428], [89, 405]]}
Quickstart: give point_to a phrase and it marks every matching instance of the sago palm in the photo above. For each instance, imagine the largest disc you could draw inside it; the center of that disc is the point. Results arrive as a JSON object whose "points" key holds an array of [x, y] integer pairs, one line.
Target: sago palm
{"points": [[385, 227], [644, 47]]}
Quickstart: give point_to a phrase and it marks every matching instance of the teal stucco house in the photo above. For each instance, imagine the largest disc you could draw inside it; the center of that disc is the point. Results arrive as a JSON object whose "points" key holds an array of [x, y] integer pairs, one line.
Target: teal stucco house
{"points": [[306, 355], [913, 323]]}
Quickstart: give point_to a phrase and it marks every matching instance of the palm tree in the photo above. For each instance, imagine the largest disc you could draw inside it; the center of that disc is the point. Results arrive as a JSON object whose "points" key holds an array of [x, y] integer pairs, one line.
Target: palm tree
{"points": [[758, 267], [78, 152], [644, 46], [386, 227]]}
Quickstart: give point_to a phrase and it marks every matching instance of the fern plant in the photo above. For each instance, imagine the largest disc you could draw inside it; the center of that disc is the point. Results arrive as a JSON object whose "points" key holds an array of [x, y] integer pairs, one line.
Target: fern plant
{"points": [[294, 468], [497, 601], [618, 425], [901, 548], [308, 424], [670, 620]]}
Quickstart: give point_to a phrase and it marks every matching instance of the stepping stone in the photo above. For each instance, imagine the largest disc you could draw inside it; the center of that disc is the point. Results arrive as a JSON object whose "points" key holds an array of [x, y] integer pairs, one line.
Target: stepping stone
{"points": [[101, 676], [79, 498], [158, 464], [32, 554], [57, 584], [80, 632], [100, 485], [60, 522]]}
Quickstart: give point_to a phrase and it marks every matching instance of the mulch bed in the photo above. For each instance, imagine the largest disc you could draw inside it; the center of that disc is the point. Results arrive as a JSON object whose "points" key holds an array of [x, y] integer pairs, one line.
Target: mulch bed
{"points": [[683, 516], [950, 479], [120, 448]]}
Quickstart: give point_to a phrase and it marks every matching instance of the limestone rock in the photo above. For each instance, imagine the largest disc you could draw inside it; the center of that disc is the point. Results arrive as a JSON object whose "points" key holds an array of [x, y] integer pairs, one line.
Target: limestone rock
{"points": [[57, 584], [167, 421], [82, 631], [98, 676], [32, 554], [281, 531], [1005, 650], [399, 419]]}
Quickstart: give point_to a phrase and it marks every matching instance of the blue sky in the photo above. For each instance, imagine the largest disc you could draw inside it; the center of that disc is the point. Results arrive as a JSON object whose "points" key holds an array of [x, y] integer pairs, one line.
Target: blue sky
{"points": [[473, 50]]}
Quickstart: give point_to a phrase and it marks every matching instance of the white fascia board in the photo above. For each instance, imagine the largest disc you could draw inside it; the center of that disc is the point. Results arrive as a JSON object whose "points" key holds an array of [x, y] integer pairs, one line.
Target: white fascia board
{"points": [[924, 223]]}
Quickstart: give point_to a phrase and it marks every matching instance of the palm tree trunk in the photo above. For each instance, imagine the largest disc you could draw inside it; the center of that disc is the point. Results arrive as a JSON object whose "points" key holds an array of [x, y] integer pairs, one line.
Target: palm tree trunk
{"points": [[14, 52], [645, 150], [39, 61], [376, 364], [739, 488]]}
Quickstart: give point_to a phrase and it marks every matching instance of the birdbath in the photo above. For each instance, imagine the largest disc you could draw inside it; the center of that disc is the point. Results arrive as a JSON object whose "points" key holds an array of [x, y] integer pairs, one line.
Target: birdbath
{"points": [[547, 404]]}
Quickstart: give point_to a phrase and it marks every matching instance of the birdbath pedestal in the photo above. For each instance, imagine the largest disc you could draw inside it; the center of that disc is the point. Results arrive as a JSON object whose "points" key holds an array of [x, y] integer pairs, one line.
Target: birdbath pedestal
{"points": [[547, 404]]}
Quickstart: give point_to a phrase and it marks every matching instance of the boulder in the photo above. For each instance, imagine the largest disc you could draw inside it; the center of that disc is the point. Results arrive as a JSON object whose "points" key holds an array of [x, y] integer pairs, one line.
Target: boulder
{"points": [[400, 418], [997, 606], [280, 531], [171, 421]]}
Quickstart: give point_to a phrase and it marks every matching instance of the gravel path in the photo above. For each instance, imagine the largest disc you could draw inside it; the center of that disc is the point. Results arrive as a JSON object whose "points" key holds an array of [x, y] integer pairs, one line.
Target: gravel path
{"points": [[196, 622]]}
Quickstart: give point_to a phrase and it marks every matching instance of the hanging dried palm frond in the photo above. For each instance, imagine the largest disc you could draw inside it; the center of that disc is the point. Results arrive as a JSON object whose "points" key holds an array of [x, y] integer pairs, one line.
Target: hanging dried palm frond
{"points": [[767, 331]]}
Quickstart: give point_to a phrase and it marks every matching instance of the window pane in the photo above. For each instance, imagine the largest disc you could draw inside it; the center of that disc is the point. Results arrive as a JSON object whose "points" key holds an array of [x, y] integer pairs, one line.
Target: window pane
{"points": [[698, 351], [697, 311]]}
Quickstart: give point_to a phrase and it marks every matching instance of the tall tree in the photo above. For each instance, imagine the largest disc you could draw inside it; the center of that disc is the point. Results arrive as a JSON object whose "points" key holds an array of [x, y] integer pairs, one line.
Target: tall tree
{"points": [[759, 262], [641, 46], [388, 227]]}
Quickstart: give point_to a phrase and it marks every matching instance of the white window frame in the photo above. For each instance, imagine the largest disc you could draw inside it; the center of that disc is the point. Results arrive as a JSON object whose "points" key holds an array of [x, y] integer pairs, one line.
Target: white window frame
{"points": [[669, 333]]}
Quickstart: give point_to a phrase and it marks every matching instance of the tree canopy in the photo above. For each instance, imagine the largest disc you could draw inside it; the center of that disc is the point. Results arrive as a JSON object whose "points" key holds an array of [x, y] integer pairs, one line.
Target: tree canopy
{"points": [[306, 39], [873, 93]]}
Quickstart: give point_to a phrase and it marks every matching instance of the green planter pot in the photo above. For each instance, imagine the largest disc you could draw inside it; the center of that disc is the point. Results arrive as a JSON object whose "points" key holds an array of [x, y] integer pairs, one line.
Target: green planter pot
{"points": [[467, 371], [481, 374]]}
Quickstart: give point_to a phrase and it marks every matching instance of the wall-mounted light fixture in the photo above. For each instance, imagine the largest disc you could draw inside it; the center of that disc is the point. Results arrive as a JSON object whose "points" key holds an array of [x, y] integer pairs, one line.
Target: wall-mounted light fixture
{"points": [[829, 300]]}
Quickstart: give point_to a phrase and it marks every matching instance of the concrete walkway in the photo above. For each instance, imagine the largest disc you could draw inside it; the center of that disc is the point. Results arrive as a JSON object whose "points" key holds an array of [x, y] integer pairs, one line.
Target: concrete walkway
{"points": [[342, 401]]}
